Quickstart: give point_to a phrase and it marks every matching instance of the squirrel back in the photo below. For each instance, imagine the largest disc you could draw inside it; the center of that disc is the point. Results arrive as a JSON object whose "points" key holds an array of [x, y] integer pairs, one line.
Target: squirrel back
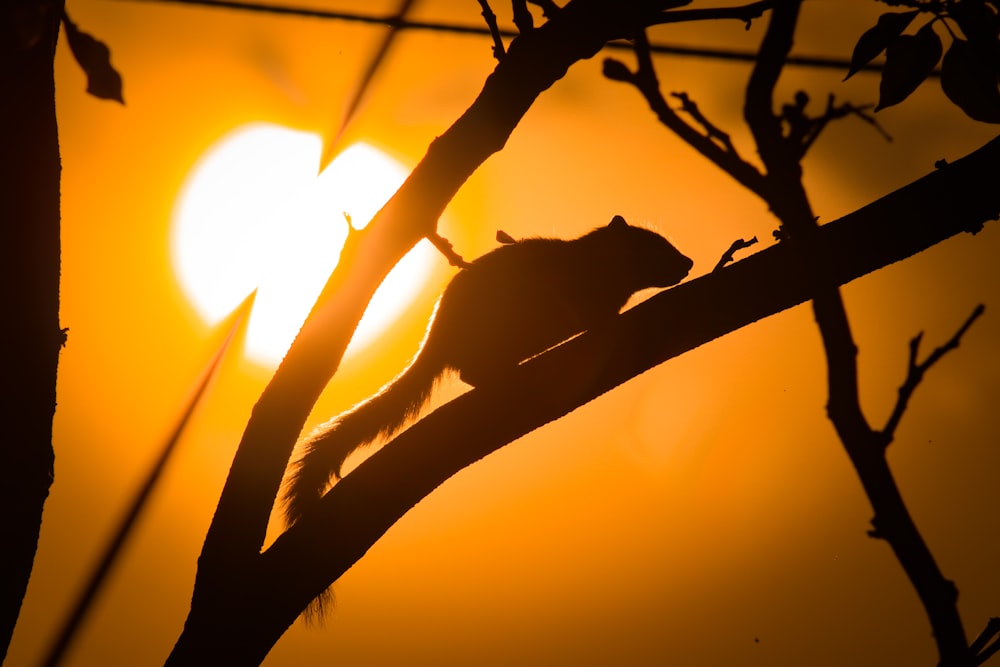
{"points": [[506, 306]]}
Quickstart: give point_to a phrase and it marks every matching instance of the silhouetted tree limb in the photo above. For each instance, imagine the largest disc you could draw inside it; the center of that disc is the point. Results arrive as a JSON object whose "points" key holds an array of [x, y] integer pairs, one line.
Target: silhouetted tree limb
{"points": [[30, 336], [365, 503], [523, 20], [713, 144], [915, 372], [781, 154], [491, 23], [734, 247], [745, 13], [671, 323], [981, 646], [244, 600], [534, 61]]}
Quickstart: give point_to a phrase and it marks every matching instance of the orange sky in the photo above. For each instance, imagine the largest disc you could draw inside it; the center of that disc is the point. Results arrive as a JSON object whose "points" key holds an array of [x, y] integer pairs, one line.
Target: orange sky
{"points": [[678, 520]]}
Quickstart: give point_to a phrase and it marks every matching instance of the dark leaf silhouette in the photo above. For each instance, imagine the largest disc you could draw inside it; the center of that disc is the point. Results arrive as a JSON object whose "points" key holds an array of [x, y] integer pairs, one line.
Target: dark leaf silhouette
{"points": [[909, 59], [970, 82], [875, 40], [977, 20], [94, 56], [616, 70]]}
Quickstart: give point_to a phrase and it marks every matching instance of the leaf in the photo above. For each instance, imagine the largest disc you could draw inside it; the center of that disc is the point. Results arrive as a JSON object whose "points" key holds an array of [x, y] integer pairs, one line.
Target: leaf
{"points": [[616, 70], [908, 61], [976, 19], [970, 82], [875, 40], [93, 55]]}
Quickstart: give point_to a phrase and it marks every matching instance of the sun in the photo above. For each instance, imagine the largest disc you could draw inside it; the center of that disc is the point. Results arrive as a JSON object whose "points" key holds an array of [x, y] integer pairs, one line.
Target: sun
{"points": [[253, 214]]}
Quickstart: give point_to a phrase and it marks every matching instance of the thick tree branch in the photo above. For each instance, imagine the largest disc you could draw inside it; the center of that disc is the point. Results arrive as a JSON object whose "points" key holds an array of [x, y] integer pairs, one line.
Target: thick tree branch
{"points": [[359, 508], [229, 562], [242, 601], [532, 64]]}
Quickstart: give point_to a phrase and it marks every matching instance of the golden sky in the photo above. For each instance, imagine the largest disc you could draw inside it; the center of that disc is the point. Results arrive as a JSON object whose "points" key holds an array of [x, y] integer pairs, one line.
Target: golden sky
{"points": [[702, 514]]}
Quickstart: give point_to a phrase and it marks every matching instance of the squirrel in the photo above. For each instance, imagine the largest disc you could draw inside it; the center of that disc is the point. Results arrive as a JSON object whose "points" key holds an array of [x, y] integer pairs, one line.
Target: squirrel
{"points": [[506, 306]]}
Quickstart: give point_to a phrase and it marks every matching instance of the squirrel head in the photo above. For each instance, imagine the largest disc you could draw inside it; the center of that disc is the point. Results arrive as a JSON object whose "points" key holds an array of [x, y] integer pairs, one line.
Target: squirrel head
{"points": [[654, 261]]}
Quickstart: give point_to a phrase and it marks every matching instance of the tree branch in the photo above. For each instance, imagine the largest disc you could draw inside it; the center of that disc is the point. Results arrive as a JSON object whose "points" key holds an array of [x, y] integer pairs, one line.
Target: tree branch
{"points": [[523, 20], [745, 13], [229, 563], [721, 153], [981, 647], [915, 372], [445, 247], [785, 194], [727, 257], [788, 200], [366, 502], [491, 22]]}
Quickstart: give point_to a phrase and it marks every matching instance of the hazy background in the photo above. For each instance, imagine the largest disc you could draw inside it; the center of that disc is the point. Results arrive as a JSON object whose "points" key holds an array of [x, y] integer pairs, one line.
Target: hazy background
{"points": [[703, 514]]}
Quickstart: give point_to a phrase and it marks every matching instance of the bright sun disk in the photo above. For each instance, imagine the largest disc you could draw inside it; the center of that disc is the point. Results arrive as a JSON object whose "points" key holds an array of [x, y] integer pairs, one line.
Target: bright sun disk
{"points": [[253, 214]]}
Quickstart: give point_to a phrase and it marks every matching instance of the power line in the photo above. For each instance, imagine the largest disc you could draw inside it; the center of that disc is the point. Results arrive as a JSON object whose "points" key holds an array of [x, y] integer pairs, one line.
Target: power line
{"points": [[397, 22]]}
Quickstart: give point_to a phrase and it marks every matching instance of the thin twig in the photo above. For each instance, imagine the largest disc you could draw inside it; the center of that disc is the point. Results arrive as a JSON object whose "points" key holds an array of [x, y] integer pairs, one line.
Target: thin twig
{"points": [[738, 244], [870, 119], [446, 249], [645, 81], [744, 13], [804, 129], [987, 653], [491, 22], [991, 630], [915, 372], [523, 20], [690, 107]]}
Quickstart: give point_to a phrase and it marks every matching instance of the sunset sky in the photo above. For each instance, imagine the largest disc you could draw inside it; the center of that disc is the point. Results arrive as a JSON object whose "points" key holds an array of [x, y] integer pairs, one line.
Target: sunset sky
{"points": [[702, 514]]}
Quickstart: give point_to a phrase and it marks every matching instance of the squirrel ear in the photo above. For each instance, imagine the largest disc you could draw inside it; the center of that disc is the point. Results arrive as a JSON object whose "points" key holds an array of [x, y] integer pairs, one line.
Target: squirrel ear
{"points": [[617, 221]]}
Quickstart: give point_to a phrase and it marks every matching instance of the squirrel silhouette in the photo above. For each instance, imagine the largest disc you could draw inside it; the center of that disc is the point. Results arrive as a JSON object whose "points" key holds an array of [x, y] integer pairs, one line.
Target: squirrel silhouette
{"points": [[506, 306]]}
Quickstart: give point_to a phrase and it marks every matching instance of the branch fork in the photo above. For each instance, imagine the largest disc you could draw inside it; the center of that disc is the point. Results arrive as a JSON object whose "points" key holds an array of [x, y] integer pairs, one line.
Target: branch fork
{"points": [[916, 370]]}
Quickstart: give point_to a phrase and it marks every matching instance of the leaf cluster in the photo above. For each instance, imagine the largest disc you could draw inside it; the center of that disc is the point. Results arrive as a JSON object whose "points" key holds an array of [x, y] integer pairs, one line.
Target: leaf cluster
{"points": [[970, 68]]}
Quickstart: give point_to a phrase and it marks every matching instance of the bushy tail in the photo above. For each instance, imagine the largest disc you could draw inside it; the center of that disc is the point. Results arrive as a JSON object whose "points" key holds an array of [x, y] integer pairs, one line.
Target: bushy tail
{"points": [[326, 448]]}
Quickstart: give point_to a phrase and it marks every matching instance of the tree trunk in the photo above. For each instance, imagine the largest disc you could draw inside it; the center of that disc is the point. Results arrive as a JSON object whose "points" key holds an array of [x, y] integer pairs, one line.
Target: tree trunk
{"points": [[30, 336]]}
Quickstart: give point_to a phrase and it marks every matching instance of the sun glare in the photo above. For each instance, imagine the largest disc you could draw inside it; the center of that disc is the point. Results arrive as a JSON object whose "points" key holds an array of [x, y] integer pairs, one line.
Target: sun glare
{"points": [[254, 214]]}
